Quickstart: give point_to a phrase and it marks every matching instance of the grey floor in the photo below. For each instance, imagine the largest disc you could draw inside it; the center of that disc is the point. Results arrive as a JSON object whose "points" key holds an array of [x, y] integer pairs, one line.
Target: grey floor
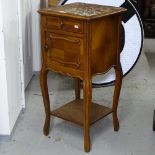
{"points": [[135, 137]]}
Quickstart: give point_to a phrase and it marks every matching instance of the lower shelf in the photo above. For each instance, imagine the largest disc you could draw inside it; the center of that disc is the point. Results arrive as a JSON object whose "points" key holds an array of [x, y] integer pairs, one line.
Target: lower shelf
{"points": [[73, 112]]}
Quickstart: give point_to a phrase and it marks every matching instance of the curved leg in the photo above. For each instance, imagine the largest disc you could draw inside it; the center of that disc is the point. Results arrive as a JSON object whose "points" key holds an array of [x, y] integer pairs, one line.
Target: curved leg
{"points": [[44, 89], [77, 88], [118, 83], [87, 103]]}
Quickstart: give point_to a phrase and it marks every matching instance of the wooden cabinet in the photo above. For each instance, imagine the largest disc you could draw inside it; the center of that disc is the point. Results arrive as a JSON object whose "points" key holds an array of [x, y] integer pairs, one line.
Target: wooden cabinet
{"points": [[81, 40]]}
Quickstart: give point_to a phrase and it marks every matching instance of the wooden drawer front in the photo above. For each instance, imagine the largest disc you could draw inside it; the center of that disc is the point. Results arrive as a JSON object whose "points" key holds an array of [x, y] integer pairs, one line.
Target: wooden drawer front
{"points": [[53, 22], [73, 26], [64, 50], [64, 24]]}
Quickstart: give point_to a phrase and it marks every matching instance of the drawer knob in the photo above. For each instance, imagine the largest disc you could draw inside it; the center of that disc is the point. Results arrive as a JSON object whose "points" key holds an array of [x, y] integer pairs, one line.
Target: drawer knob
{"points": [[76, 26], [46, 47]]}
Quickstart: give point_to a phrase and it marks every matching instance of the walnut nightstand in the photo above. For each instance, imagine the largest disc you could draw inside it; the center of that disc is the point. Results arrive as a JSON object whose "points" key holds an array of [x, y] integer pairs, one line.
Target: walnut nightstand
{"points": [[81, 40]]}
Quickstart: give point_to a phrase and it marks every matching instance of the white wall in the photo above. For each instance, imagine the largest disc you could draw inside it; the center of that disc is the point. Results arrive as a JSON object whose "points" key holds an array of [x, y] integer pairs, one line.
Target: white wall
{"points": [[13, 44], [4, 114], [11, 87], [36, 35], [26, 38]]}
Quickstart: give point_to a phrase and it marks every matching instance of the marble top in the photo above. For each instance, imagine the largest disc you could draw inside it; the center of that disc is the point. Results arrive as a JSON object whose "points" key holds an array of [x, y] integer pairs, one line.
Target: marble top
{"points": [[83, 10]]}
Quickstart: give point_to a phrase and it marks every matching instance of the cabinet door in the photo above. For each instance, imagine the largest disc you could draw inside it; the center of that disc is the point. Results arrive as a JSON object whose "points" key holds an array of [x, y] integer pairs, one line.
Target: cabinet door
{"points": [[64, 50]]}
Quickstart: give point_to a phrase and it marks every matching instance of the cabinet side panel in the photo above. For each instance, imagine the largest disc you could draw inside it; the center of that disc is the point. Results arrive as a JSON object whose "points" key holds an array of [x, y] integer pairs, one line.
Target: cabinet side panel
{"points": [[104, 43]]}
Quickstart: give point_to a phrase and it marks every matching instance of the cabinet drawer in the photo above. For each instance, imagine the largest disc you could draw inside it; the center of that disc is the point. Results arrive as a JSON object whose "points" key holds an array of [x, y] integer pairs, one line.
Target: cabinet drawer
{"points": [[68, 25], [53, 22], [64, 50], [73, 26]]}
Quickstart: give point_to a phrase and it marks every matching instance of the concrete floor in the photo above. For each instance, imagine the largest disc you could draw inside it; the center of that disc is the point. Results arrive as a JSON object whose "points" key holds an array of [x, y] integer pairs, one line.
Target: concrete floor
{"points": [[135, 137]]}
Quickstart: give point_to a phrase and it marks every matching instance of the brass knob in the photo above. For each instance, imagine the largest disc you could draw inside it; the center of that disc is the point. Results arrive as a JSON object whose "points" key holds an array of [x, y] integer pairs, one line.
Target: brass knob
{"points": [[76, 26]]}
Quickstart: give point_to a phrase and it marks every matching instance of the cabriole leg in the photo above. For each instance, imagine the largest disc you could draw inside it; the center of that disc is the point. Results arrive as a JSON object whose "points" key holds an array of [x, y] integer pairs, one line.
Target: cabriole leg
{"points": [[44, 89], [118, 83]]}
